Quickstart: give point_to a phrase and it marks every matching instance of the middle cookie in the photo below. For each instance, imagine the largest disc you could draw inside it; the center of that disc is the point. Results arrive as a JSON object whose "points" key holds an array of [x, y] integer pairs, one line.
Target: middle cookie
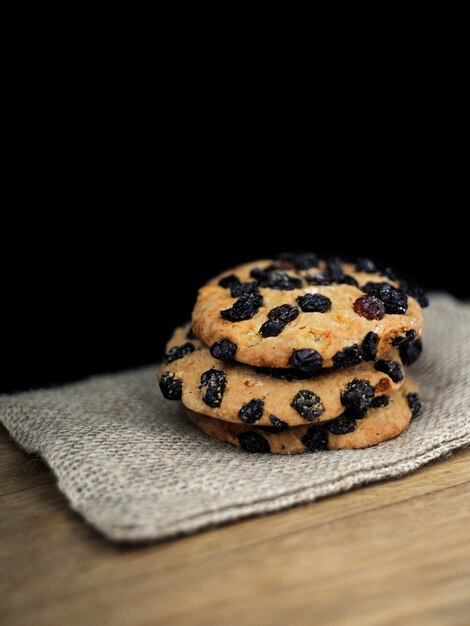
{"points": [[242, 394]]}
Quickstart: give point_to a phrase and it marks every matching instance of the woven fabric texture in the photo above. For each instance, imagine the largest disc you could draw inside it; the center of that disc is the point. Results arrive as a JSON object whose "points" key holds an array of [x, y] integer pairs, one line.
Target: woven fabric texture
{"points": [[136, 469]]}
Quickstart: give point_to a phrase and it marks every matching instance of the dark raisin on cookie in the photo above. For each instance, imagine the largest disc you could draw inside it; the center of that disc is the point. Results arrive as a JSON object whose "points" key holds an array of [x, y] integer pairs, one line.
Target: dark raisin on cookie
{"points": [[366, 265], [277, 423], [178, 352], [280, 281], [244, 308], [411, 352], [171, 386], [391, 368], [369, 307], [306, 360], [252, 411], [314, 303], [350, 356], [278, 318], [415, 292], [307, 404], [318, 279], [354, 415], [369, 346], [272, 328], [357, 395], [414, 403], [390, 273], [242, 289], [279, 264], [283, 373], [348, 280], [305, 261], [379, 402], [395, 300], [253, 442], [315, 439], [285, 313], [228, 281], [257, 273], [224, 350], [342, 426], [402, 340], [334, 270], [214, 383]]}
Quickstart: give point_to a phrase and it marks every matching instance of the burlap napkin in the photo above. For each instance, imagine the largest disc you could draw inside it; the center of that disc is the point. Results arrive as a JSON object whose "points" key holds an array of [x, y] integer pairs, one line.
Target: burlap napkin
{"points": [[136, 469]]}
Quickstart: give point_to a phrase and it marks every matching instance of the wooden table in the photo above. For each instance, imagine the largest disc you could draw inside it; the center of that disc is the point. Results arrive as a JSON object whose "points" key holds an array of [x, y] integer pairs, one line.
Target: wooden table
{"points": [[392, 553]]}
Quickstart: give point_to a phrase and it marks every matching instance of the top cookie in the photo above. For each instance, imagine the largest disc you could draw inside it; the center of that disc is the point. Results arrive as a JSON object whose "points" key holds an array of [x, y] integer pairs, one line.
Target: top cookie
{"points": [[306, 313]]}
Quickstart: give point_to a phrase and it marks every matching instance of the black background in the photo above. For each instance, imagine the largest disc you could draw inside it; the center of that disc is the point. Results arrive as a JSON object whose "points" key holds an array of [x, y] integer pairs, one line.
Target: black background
{"points": [[99, 294], [231, 168]]}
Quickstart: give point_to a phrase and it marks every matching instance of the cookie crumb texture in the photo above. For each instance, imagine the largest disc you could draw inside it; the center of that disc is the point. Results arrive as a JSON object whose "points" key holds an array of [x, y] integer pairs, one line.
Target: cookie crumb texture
{"points": [[238, 393], [329, 307], [379, 424]]}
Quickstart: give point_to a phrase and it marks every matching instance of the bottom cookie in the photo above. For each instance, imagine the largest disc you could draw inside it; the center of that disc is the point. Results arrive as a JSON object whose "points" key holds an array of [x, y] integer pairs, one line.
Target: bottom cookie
{"points": [[379, 424]]}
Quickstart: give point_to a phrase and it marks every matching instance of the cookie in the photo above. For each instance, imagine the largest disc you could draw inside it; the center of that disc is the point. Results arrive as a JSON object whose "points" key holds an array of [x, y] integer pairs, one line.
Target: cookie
{"points": [[309, 314], [385, 421], [227, 390]]}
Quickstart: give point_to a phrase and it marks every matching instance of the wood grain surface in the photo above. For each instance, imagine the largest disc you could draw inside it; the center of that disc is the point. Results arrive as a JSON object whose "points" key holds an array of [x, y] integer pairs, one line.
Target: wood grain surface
{"points": [[392, 553]]}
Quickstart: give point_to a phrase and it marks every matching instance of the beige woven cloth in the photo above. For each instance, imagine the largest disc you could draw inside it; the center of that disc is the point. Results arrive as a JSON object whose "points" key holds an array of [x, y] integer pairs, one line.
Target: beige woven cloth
{"points": [[134, 467]]}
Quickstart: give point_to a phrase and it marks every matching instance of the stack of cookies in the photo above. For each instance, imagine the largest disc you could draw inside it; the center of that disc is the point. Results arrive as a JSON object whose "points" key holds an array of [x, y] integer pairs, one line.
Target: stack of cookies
{"points": [[299, 354]]}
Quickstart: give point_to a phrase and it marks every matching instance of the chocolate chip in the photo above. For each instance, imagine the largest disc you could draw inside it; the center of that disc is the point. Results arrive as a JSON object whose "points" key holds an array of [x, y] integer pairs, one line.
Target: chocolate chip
{"points": [[307, 404]]}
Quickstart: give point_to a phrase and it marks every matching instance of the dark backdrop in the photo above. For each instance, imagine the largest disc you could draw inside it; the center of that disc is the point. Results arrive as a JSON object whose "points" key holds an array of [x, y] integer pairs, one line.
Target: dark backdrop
{"points": [[93, 299]]}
